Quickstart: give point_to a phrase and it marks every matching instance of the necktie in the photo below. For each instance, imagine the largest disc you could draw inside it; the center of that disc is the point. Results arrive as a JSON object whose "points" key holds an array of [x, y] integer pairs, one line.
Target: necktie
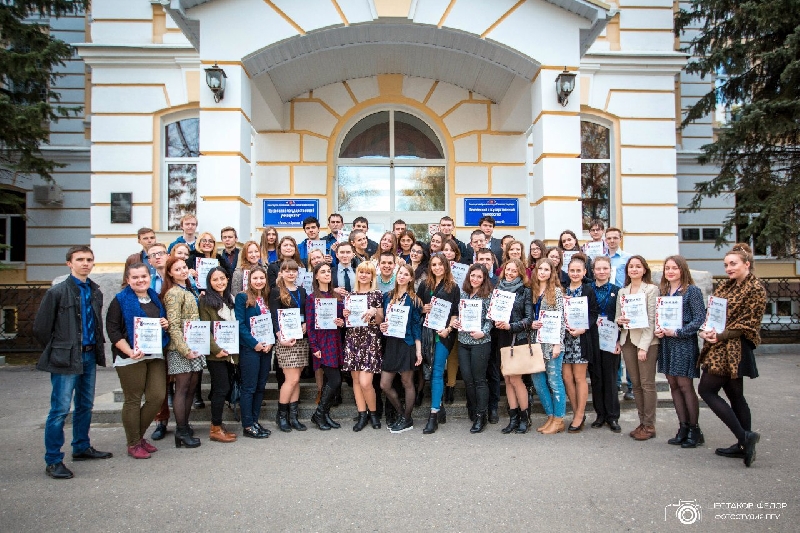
{"points": [[347, 285]]}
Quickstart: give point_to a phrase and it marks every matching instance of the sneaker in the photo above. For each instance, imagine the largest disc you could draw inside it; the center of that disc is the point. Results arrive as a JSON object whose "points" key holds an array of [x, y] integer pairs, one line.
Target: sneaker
{"points": [[149, 448], [403, 424], [138, 452], [628, 396]]}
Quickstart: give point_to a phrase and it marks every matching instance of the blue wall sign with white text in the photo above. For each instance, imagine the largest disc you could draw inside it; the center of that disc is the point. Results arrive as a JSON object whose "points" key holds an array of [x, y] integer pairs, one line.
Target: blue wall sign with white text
{"points": [[505, 211], [289, 213]]}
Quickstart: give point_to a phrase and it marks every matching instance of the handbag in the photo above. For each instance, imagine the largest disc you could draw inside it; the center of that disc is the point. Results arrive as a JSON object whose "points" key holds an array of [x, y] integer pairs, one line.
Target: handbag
{"points": [[519, 363]]}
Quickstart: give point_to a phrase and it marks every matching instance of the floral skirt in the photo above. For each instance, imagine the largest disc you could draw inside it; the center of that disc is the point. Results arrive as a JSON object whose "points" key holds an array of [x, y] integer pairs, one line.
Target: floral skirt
{"points": [[178, 364]]}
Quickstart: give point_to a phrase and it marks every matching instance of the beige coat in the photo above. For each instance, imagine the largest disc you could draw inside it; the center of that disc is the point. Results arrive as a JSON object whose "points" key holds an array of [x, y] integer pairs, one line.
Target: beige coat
{"points": [[642, 338]]}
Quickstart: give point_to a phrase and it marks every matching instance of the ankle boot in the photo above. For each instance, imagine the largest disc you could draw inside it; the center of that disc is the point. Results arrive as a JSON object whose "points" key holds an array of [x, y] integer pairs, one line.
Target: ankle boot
{"points": [[480, 423], [293, 420], [227, 431], [362, 421], [216, 434], [160, 431], [432, 425], [556, 426], [524, 420], [513, 423], [546, 423], [442, 415], [183, 438], [680, 437], [693, 438], [318, 417], [283, 418], [375, 420]]}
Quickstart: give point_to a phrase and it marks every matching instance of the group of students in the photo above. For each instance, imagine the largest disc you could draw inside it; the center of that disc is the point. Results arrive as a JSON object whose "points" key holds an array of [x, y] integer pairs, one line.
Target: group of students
{"points": [[264, 277]]}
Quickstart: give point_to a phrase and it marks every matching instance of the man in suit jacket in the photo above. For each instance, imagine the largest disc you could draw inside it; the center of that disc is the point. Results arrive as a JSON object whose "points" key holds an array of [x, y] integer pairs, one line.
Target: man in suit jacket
{"points": [[487, 224]]}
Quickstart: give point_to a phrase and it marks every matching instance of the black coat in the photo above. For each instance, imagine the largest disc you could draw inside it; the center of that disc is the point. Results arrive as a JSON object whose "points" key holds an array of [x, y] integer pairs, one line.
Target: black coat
{"points": [[590, 341], [59, 328], [453, 296]]}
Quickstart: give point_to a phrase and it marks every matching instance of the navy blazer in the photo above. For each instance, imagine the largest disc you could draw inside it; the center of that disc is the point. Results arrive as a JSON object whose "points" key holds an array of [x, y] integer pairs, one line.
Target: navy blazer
{"points": [[243, 315]]}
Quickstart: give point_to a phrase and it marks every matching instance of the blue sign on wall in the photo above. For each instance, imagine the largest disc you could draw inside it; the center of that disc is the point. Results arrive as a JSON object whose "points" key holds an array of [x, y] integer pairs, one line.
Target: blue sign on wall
{"points": [[505, 211], [289, 213]]}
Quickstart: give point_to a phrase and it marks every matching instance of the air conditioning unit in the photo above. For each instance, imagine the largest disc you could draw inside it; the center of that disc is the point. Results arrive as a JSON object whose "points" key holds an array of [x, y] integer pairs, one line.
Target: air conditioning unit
{"points": [[48, 194]]}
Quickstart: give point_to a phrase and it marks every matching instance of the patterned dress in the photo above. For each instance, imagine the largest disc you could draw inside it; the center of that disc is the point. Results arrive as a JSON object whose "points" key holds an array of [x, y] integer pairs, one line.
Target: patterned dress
{"points": [[572, 345], [677, 356], [327, 341], [362, 346]]}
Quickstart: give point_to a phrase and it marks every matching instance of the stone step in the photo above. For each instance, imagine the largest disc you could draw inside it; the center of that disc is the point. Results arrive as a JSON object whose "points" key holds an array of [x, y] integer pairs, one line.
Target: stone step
{"points": [[107, 411], [308, 389]]}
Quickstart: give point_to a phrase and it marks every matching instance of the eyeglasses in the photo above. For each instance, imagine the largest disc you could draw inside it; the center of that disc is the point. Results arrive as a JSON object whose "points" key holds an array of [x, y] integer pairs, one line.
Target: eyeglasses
{"points": [[415, 251], [156, 255], [206, 241]]}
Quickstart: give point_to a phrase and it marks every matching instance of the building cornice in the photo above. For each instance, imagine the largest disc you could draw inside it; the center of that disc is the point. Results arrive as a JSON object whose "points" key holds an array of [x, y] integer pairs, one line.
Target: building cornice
{"points": [[639, 63], [151, 55]]}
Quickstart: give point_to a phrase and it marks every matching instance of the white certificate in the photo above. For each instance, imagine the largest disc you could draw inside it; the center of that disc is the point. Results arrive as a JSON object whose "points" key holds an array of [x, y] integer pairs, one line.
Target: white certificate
{"points": [[669, 312], [469, 315], [197, 334], [261, 329], [550, 332], [245, 278], [147, 335], [634, 307], [226, 335], [500, 306], [397, 318], [567, 258], [344, 236], [716, 314], [306, 282], [357, 305], [318, 244], [204, 266], [325, 313], [459, 271], [439, 315], [289, 323], [593, 249], [576, 312], [609, 333]]}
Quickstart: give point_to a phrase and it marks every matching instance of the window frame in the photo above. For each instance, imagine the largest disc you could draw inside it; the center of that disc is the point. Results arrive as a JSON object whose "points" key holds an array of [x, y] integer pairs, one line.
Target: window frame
{"points": [[5, 253], [612, 173], [13, 335], [166, 161]]}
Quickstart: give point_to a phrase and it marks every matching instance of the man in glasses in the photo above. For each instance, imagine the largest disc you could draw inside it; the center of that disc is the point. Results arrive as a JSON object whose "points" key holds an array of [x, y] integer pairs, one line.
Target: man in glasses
{"points": [[157, 255]]}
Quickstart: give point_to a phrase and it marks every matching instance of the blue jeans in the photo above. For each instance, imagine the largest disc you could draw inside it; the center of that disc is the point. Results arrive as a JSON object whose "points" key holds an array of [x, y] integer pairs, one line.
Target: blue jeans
{"points": [[64, 385], [254, 367], [627, 377], [440, 354], [550, 388]]}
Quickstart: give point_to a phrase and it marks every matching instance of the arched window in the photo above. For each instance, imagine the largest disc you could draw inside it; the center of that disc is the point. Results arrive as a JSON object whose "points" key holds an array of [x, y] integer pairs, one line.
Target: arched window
{"points": [[595, 173], [181, 151], [392, 165]]}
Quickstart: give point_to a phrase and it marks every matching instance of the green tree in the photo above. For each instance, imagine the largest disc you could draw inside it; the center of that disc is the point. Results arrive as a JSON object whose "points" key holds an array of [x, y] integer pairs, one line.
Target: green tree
{"points": [[752, 48], [28, 54]]}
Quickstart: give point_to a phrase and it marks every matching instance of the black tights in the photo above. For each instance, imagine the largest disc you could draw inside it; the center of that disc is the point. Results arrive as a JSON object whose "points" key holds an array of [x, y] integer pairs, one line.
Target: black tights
{"points": [[736, 415], [408, 384], [685, 399], [333, 377], [184, 395]]}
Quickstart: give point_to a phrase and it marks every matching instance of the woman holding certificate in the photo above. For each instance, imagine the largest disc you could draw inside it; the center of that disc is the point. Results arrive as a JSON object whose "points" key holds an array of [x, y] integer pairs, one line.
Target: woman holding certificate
{"points": [[255, 344], [440, 296], [183, 362], [546, 297], [324, 318], [135, 324], [249, 257], [202, 259], [636, 313], [269, 244], [287, 251], [727, 355], [514, 331], [536, 251], [287, 302], [402, 327], [217, 305], [580, 340], [680, 312], [474, 343], [606, 362], [362, 343], [568, 243]]}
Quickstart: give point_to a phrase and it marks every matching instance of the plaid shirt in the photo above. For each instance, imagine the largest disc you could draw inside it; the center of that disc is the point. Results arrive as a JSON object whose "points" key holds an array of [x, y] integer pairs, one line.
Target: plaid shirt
{"points": [[327, 341]]}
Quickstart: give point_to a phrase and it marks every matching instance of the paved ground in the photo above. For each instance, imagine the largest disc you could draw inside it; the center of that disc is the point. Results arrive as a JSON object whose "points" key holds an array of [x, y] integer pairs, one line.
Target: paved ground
{"points": [[374, 481]]}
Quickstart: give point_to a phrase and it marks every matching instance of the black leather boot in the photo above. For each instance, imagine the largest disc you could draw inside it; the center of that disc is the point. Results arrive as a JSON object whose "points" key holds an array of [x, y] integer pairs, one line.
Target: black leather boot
{"points": [[283, 418], [480, 423], [160, 431], [442, 415], [183, 438], [681, 435], [494, 418], [293, 420], [319, 417], [513, 423], [693, 438], [362, 421], [432, 425], [375, 420], [524, 421]]}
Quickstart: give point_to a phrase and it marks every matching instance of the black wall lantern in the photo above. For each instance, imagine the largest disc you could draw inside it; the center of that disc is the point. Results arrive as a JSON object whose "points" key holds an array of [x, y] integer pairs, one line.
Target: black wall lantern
{"points": [[565, 84], [215, 78]]}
